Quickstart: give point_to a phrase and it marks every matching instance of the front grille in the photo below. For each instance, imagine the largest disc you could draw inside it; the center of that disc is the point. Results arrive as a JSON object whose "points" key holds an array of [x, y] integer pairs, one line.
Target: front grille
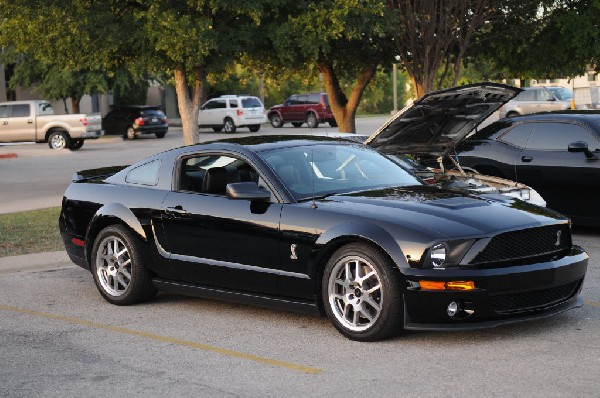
{"points": [[526, 246], [536, 299]]}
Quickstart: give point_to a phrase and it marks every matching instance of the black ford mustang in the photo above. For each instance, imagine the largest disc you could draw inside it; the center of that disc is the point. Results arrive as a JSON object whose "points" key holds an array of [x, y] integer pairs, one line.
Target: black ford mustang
{"points": [[325, 226]]}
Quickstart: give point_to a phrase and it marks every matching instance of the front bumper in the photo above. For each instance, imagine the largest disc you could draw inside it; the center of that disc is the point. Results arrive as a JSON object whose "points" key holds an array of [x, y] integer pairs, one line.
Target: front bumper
{"points": [[501, 295], [151, 129]]}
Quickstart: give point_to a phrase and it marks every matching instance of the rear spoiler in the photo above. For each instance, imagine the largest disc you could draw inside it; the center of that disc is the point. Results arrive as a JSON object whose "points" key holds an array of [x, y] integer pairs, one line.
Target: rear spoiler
{"points": [[93, 174]]}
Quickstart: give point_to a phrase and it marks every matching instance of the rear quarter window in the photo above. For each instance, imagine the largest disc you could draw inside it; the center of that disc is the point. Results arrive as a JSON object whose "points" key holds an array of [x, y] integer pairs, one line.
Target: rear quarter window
{"points": [[517, 136], [146, 174], [251, 103]]}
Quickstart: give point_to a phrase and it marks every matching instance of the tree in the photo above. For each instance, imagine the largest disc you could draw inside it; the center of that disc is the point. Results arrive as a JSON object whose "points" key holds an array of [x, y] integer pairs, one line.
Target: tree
{"points": [[344, 39], [433, 37]]}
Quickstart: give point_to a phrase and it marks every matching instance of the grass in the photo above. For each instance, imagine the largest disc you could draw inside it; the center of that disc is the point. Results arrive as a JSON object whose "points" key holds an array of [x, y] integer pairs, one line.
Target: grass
{"points": [[30, 232]]}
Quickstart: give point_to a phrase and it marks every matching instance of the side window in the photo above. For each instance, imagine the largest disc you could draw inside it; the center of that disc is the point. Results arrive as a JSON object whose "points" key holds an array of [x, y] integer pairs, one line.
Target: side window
{"points": [[210, 174], [146, 174], [303, 99], [3, 111], [293, 100], [517, 136], [314, 98], [44, 108], [209, 105], [233, 103], [527, 95], [544, 95], [558, 136], [20, 110], [220, 104]]}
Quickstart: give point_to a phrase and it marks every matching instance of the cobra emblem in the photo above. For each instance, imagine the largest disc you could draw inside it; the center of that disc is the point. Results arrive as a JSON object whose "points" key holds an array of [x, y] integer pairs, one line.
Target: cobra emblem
{"points": [[557, 243], [293, 255]]}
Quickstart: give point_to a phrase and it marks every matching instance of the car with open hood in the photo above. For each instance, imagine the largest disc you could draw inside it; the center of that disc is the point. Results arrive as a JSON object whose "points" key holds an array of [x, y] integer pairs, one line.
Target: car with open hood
{"points": [[325, 226]]}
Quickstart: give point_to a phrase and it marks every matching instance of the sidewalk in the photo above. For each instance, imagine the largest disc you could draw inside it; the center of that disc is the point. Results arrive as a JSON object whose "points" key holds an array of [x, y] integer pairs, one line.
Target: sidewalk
{"points": [[35, 262]]}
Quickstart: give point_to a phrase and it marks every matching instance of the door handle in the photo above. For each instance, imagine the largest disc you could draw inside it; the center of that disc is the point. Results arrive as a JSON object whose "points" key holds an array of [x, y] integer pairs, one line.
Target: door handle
{"points": [[526, 159], [177, 210], [5, 122], [30, 121]]}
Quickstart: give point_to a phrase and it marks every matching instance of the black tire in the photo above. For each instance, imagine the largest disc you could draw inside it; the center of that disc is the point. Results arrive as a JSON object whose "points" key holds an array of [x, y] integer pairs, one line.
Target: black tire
{"points": [[217, 129], [59, 140], [254, 128], [135, 279], [160, 135], [229, 126], [297, 124], [276, 120], [333, 123], [512, 114], [382, 289], [312, 121], [76, 144]]}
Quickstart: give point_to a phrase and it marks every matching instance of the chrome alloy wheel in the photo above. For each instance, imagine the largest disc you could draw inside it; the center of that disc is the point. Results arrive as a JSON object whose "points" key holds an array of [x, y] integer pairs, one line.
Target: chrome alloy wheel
{"points": [[355, 294], [113, 266], [58, 141]]}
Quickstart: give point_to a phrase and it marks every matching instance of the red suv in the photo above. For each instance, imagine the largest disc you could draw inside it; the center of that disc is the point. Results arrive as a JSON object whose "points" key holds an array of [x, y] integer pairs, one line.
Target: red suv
{"points": [[300, 108]]}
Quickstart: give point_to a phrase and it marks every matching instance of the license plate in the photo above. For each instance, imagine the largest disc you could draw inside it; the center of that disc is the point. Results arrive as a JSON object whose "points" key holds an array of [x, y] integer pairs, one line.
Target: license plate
{"points": [[154, 120]]}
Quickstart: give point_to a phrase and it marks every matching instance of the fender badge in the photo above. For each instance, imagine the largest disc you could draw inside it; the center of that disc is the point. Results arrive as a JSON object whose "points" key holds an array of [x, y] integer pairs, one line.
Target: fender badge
{"points": [[293, 255]]}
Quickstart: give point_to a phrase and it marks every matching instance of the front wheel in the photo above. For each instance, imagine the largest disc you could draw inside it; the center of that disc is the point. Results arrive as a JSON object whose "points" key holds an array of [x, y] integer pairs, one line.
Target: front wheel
{"points": [[118, 267], [254, 128], [229, 126], [275, 120], [362, 293], [312, 121], [76, 144], [59, 140]]}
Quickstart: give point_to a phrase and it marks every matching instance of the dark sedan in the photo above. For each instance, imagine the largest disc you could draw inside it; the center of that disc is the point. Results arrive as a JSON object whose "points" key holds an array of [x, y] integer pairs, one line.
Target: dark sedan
{"points": [[131, 121], [557, 153]]}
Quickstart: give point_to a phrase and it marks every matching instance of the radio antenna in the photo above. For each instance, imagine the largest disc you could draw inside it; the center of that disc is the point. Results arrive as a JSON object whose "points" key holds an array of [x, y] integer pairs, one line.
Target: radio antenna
{"points": [[313, 174]]}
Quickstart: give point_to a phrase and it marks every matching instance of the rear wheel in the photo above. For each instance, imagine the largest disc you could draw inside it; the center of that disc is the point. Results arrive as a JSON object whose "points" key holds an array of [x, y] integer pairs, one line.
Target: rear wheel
{"points": [[275, 120], [59, 140], [129, 134], [362, 293], [217, 129], [118, 267], [254, 128], [297, 124], [76, 144], [312, 121], [160, 135], [229, 126]]}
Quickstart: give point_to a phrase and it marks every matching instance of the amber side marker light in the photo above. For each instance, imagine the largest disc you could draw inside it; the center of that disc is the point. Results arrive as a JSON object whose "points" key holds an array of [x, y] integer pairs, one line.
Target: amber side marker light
{"points": [[453, 285]]}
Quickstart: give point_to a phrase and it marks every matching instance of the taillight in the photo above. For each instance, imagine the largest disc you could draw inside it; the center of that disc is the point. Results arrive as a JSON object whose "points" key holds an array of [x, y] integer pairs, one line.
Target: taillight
{"points": [[84, 121], [139, 121], [239, 112], [165, 119]]}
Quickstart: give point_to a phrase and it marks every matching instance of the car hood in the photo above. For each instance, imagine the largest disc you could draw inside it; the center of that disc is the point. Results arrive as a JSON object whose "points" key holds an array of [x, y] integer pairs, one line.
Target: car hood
{"points": [[438, 121], [450, 213]]}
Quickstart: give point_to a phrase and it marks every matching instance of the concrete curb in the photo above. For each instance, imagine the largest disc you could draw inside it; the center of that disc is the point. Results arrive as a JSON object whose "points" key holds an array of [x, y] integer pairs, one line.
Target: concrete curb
{"points": [[8, 155], [34, 262]]}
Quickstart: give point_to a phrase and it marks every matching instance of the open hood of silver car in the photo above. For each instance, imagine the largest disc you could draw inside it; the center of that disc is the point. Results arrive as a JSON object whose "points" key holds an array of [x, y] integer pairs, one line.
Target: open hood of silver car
{"points": [[438, 121]]}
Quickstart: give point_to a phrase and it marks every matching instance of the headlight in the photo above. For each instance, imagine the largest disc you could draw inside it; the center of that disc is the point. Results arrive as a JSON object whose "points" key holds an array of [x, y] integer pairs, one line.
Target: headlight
{"points": [[438, 255]]}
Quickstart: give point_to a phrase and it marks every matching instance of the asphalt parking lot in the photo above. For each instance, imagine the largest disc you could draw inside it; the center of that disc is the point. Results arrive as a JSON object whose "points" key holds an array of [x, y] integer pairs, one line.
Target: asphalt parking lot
{"points": [[58, 337]]}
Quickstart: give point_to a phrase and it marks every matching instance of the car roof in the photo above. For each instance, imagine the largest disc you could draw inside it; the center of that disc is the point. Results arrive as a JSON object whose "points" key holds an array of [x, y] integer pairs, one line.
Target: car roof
{"points": [[575, 115]]}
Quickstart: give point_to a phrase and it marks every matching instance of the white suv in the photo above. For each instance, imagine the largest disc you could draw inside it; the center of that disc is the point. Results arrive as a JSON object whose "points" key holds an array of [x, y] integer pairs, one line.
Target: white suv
{"points": [[228, 112]]}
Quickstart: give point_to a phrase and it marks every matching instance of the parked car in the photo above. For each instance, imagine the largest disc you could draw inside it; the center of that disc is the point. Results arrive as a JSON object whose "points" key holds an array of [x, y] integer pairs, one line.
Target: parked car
{"points": [[311, 108], [326, 226], [230, 112], [536, 99], [35, 121], [133, 120], [556, 153]]}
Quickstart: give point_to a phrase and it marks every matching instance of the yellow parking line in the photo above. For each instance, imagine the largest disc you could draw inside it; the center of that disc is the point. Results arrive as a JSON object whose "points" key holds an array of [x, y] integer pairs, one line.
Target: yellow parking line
{"points": [[592, 303], [167, 339]]}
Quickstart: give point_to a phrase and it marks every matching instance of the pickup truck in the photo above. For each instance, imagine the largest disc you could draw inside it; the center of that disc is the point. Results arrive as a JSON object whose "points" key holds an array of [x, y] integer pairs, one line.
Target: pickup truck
{"points": [[35, 121]]}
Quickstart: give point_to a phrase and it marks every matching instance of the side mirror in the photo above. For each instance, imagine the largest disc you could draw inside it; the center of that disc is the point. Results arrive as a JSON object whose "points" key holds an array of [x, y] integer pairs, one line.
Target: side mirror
{"points": [[551, 99], [247, 191], [581, 146]]}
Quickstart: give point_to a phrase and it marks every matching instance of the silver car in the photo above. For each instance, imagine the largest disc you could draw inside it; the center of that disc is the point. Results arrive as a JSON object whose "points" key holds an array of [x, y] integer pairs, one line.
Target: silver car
{"points": [[536, 99]]}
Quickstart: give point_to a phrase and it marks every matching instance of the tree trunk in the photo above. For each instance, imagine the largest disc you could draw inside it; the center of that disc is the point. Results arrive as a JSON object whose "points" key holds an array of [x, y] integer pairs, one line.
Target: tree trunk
{"points": [[189, 106], [65, 105], [75, 104], [343, 108]]}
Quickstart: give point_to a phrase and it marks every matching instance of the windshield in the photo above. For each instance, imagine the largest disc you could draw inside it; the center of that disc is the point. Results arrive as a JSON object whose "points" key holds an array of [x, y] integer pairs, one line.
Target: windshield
{"points": [[563, 94], [318, 170]]}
